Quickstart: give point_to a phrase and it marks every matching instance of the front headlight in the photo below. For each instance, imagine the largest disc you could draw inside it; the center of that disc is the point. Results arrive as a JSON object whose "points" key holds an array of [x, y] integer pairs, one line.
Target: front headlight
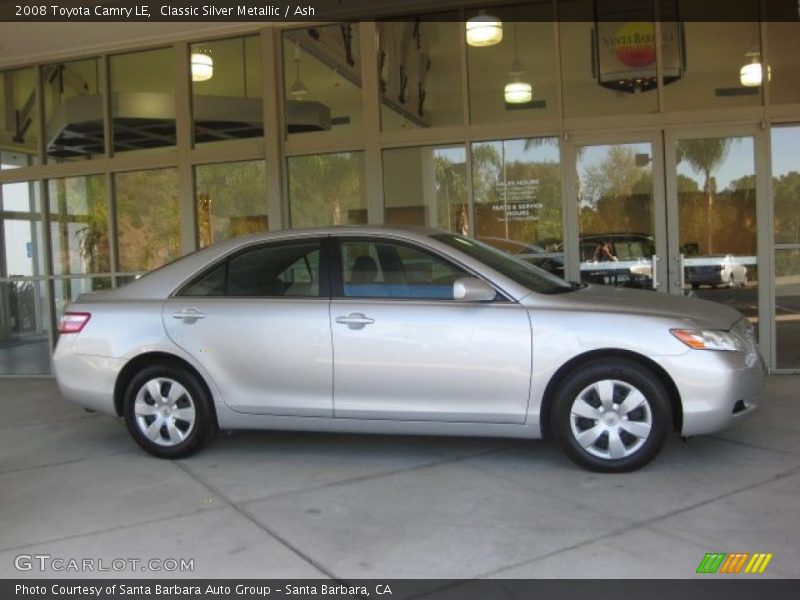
{"points": [[709, 339]]}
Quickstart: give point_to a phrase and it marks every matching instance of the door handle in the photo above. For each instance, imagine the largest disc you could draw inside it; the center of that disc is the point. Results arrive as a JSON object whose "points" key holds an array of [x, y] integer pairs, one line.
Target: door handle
{"points": [[355, 320], [189, 314]]}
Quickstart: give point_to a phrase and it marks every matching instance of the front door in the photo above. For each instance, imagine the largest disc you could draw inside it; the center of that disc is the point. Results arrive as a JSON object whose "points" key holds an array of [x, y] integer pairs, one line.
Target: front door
{"points": [[404, 349]]}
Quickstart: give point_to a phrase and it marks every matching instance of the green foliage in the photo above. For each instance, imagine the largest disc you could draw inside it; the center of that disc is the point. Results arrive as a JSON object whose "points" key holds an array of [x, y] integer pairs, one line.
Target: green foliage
{"points": [[325, 189], [617, 195], [148, 219], [786, 190], [232, 200]]}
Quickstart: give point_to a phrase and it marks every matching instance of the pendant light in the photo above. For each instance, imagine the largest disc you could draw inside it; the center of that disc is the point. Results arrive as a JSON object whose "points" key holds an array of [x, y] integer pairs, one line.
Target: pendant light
{"points": [[517, 91], [202, 66], [484, 30], [752, 73], [298, 89]]}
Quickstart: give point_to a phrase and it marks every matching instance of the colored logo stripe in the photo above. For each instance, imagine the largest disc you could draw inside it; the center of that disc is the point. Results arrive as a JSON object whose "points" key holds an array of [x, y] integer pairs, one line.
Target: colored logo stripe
{"points": [[711, 562], [734, 563], [758, 564], [720, 562]]}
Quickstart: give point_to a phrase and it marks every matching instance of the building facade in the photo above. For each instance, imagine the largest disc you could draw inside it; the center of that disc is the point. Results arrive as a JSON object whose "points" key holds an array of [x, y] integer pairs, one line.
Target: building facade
{"points": [[648, 153]]}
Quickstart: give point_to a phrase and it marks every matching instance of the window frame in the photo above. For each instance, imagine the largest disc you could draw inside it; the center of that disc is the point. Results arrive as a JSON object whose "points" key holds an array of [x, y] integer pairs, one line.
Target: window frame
{"points": [[324, 270], [336, 270]]}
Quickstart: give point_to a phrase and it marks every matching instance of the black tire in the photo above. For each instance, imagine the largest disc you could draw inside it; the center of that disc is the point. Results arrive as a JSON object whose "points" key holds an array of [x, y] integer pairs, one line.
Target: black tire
{"points": [[623, 374], [197, 434], [695, 286]]}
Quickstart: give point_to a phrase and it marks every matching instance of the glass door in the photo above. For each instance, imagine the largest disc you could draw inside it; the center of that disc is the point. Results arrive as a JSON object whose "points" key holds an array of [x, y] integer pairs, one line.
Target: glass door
{"points": [[785, 143], [713, 219], [24, 316], [620, 212]]}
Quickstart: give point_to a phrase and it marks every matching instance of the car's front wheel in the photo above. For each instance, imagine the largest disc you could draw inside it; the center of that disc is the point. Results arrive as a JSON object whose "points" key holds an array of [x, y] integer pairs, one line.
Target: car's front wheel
{"points": [[168, 411], [612, 415]]}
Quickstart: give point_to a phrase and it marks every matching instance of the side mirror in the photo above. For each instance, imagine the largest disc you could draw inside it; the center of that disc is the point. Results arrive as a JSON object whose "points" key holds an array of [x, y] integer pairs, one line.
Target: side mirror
{"points": [[471, 289]]}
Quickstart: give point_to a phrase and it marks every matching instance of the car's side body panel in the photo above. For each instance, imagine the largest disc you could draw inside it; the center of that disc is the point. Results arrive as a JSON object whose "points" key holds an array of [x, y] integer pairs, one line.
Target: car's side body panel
{"points": [[266, 355], [432, 360]]}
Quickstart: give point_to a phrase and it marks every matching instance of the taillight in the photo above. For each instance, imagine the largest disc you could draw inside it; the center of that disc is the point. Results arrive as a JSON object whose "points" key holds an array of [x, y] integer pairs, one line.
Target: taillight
{"points": [[73, 322]]}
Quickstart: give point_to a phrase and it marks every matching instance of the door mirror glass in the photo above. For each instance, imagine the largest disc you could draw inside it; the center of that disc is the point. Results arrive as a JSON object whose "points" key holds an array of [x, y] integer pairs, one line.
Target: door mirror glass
{"points": [[471, 289]]}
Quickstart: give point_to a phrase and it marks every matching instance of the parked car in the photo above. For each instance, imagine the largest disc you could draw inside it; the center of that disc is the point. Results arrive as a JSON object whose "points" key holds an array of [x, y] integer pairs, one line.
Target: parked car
{"points": [[396, 331], [715, 271], [552, 261], [626, 261]]}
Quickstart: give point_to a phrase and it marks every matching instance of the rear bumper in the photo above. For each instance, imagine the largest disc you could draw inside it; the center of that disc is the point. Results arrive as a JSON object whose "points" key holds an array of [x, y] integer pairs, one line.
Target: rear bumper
{"points": [[716, 388], [87, 380]]}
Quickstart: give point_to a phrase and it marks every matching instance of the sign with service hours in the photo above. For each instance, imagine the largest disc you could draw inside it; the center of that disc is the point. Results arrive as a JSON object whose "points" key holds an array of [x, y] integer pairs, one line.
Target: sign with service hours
{"points": [[519, 200]]}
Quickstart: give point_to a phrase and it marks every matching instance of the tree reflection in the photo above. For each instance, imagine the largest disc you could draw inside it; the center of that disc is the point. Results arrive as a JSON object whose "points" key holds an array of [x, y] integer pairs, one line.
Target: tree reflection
{"points": [[325, 189]]}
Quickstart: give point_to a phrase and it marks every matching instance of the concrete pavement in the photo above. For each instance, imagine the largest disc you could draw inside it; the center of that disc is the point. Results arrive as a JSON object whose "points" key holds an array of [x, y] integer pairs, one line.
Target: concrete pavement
{"points": [[291, 505]]}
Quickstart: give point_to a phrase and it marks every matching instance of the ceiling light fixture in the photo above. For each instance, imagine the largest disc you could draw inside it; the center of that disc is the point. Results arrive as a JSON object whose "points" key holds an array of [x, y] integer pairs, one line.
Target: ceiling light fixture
{"points": [[484, 30], [202, 66], [298, 89], [517, 91], [752, 74]]}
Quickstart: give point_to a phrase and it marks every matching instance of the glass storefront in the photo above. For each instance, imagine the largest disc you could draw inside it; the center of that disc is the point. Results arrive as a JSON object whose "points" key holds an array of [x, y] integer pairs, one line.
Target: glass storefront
{"points": [[148, 218], [558, 143], [786, 227], [24, 308], [717, 220], [19, 119], [517, 190], [327, 189], [499, 75], [322, 79], [426, 186], [226, 89], [616, 214], [143, 100], [73, 110], [418, 68], [230, 199]]}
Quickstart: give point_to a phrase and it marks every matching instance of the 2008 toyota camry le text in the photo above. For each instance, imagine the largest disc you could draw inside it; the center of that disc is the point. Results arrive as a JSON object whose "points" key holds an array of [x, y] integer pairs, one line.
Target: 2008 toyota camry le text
{"points": [[403, 331]]}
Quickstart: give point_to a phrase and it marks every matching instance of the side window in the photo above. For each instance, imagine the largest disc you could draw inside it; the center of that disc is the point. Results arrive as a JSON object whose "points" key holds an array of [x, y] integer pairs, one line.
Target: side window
{"points": [[276, 270], [209, 284], [395, 270]]}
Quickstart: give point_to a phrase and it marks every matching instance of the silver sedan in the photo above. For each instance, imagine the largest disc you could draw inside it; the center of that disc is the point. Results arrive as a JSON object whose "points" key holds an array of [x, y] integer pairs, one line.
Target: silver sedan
{"points": [[403, 331]]}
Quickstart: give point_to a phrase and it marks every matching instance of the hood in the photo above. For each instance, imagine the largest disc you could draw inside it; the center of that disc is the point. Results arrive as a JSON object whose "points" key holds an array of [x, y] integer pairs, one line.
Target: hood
{"points": [[691, 311]]}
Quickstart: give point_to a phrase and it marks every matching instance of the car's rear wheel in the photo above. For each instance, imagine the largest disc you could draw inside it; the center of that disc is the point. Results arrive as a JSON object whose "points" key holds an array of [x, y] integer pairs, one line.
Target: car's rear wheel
{"points": [[611, 416], [168, 411]]}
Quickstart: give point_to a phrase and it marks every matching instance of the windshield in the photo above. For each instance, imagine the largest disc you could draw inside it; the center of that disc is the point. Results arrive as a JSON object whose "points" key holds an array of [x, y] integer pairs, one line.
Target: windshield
{"points": [[516, 269]]}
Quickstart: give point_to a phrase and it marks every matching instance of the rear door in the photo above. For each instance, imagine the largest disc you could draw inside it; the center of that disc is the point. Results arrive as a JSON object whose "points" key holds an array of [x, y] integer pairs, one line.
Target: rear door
{"points": [[258, 323], [404, 349]]}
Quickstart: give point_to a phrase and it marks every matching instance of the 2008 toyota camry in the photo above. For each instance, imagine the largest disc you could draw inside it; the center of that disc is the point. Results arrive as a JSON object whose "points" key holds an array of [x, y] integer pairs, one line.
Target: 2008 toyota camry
{"points": [[412, 331]]}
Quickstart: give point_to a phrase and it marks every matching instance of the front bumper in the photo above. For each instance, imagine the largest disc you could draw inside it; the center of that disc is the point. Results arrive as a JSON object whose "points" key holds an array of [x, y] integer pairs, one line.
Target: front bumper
{"points": [[716, 388]]}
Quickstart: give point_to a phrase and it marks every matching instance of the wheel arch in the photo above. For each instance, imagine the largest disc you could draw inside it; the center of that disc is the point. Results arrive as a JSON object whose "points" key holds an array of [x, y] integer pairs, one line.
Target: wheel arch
{"points": [[576, 362], [137, 363]]}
